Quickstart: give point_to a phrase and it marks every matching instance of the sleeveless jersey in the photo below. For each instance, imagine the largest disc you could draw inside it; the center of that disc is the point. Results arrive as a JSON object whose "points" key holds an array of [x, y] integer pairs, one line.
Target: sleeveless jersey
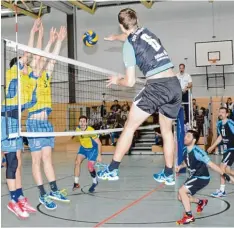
{"points": [[27, 90], [151, 56]]}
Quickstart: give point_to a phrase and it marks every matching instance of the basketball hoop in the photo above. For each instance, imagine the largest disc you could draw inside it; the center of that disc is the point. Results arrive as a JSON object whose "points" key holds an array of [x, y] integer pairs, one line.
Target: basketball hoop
{"points": [[213, 61]]}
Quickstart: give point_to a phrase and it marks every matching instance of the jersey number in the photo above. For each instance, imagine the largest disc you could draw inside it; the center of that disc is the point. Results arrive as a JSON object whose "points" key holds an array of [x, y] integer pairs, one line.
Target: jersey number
{"points": [[45, 84], [223, 132], [152, 42]]}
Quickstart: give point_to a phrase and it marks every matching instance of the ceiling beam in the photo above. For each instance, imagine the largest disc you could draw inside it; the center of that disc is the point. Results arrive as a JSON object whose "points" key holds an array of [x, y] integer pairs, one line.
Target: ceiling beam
{"points": [[90, 9], [19, 9], [62, 6]]}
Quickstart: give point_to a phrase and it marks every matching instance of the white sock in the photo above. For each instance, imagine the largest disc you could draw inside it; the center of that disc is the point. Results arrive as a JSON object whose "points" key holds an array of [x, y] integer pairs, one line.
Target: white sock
{"points": [[222, 187], [76, 180], [95, 180]]}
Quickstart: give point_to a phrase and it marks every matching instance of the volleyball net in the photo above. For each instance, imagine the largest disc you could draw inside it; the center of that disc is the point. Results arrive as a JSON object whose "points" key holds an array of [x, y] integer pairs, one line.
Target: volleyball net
{"points": [[73, 89]]}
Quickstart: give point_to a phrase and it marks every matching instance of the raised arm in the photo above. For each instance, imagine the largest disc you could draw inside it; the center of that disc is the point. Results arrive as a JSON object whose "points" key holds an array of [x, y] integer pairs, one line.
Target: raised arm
{"points": [[120, 37], [129, 79], [24, 59], [36, 58], [61, 36], [53, 37]]}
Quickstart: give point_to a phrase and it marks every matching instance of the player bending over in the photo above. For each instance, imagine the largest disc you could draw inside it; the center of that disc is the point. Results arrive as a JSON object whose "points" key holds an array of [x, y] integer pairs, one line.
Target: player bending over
{"points": [[19, 204], [41, 147], [90, 149], [162, 92], [226, 135], [196, 160]]}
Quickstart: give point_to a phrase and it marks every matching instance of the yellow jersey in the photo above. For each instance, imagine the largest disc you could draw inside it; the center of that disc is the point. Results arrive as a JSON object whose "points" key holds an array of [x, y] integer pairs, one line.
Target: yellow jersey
{"points": [[43, 95], [87, 141], [27, 90]]}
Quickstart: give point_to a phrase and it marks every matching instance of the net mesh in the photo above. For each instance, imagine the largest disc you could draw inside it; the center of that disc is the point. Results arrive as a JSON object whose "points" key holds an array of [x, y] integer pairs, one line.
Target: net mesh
{"points": [[73, 89]]}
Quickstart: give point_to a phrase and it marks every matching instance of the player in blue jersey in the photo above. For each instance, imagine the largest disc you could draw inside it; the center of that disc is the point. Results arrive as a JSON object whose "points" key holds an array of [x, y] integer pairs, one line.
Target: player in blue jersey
{"points": [[197, 161], [225, 129], [162, 92]]}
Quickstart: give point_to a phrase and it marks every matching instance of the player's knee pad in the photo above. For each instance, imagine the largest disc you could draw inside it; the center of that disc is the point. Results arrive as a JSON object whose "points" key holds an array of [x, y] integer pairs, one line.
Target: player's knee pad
{"points": [[91, 166], [12, 164]]}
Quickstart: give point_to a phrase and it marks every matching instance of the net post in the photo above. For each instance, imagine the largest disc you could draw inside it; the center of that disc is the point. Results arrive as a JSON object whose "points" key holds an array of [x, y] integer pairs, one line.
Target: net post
{"points": [[72, 53], [180, 138]]}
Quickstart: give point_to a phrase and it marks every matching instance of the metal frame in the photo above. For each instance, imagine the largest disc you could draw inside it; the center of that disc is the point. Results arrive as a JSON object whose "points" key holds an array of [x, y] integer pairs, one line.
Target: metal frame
{"points": [[90, 9], [62, 6], [20, 10], [147, 4], [4, 86], [216, 76]]}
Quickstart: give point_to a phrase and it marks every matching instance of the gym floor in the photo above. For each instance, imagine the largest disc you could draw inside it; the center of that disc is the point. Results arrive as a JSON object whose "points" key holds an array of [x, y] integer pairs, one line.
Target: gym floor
{"points": [[136, 200]]}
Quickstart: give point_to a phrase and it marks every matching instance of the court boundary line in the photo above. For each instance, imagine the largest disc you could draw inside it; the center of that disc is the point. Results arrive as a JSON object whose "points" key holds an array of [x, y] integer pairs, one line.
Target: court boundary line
{"points": [[132, 223], [129, 206]]}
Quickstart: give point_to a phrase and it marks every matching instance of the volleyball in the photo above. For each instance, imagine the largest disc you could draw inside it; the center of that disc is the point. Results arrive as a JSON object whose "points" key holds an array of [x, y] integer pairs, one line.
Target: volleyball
{"points": [[90, 38]]}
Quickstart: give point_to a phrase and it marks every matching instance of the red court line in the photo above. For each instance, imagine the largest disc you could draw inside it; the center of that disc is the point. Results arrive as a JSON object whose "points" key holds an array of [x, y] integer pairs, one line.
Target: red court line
{"points": [[129, 206]]}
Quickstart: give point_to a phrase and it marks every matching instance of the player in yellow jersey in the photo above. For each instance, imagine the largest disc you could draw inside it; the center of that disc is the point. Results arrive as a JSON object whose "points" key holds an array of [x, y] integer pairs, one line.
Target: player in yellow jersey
{"points": [[90, 149], [41, 147], [12, 147]]}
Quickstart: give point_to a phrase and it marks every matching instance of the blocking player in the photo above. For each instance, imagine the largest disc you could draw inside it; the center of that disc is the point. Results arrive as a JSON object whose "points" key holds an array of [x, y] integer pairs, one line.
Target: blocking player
{"points": [[41, 147], [90, 149], [197, 161], [225, 129], [162, 92], [19, 204]]}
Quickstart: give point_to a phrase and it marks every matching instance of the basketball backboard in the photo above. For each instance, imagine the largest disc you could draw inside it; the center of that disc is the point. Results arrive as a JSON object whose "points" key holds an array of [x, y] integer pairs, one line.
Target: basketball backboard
{"points": [[220, 51]]}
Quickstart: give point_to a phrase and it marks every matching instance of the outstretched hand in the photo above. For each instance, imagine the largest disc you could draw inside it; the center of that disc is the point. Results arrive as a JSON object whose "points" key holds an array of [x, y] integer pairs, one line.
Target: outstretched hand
{"points": [[62, 33], [113, 80], [53, 35], [177, 169], [36, 25]]}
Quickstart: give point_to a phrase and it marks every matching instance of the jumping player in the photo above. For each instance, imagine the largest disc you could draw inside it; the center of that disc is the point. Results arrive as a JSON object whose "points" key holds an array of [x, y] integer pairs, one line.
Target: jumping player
{"points": [[19, 204], [162, 92], [90, 149], [41, 147], [196, 160], [225, 129]]}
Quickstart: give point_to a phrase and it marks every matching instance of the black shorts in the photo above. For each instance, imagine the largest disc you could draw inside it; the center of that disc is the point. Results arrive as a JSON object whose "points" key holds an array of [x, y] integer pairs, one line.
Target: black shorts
{"points": [[228, 158], [163, 95], [194, 184]]}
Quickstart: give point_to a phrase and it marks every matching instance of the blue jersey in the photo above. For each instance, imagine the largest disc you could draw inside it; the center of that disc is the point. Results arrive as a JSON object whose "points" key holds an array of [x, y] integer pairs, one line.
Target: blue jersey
{"points": [[144, 49], [196, 161], [227, 132]]}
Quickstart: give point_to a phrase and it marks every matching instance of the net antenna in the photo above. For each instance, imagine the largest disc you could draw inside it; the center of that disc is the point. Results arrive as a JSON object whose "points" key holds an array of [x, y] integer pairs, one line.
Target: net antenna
{"points": [[18, 72]]}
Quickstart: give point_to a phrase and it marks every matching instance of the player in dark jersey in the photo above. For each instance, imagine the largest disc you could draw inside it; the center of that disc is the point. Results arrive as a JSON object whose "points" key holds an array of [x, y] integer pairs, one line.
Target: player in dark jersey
{"points": [[162, 92], [225, 129], [196, 160]]}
